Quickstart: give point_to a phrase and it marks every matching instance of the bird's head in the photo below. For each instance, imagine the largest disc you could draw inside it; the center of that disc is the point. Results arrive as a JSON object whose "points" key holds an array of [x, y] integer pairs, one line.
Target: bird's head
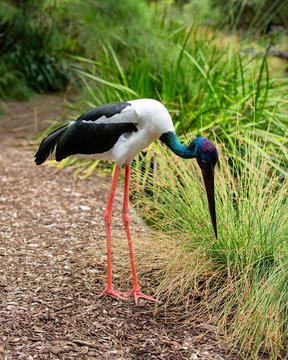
{"points": [[207, 156], [205, 151]]}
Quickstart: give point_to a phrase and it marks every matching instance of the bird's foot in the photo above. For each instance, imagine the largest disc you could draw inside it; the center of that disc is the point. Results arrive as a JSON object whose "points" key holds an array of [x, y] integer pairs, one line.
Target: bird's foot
{"points": [[112, 292], [137, 294]]}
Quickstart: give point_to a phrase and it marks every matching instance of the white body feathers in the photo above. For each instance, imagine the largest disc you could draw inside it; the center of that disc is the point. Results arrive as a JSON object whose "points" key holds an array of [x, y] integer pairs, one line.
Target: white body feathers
{"points": [[151, 118]]}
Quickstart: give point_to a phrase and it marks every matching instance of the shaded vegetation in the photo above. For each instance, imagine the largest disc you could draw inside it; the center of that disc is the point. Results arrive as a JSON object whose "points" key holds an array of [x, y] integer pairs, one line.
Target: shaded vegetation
{"points": [[37, 36]]}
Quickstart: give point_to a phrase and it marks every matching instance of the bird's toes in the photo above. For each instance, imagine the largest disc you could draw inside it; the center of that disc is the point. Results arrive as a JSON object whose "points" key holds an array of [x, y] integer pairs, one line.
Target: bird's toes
{"points": [[138, 294], [143, 296], [117, 294]]}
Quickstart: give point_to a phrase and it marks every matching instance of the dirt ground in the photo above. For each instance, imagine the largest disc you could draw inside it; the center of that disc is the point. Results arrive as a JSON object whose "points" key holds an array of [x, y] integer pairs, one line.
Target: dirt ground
{"points": [[53, 263]]}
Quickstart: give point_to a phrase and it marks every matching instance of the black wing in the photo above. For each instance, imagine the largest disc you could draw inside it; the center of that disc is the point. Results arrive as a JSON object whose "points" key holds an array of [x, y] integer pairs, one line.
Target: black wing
{"points": [[107, 110], [86, 135], [90, 138]]}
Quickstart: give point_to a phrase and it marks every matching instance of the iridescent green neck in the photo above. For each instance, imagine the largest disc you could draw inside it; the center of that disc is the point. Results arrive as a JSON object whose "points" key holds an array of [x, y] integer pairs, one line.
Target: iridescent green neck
{"points": [[171, 140]]}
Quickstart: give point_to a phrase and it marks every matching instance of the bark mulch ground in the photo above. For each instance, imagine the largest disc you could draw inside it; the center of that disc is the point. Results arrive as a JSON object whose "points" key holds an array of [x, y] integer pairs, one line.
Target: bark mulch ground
{"points": [[53, 263]]}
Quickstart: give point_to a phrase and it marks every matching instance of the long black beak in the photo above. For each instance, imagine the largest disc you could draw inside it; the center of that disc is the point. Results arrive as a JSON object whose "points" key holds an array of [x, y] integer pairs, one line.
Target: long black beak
{"points": [[208, 177]]}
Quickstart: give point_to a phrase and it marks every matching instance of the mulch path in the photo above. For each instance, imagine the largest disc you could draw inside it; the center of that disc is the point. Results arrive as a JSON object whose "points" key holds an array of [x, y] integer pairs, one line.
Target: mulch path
{"points": [[53, 263]]}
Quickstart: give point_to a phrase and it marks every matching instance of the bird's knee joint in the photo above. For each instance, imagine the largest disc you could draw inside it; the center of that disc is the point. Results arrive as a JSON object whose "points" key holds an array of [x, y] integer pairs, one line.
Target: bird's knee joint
{"points": [[108, 218], [126, 217]]}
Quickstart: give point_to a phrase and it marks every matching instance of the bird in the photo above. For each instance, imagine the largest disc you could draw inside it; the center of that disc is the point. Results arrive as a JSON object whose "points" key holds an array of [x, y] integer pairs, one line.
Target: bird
{"points": [[118, 131]]}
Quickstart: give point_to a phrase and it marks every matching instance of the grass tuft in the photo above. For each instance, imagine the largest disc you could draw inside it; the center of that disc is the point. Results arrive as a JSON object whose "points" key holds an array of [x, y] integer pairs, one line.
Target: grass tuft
{"points": [[240, 280]]}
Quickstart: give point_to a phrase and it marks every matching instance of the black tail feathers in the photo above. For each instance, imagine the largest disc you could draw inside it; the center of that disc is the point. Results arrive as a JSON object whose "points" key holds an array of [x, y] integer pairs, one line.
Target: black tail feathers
{"points": [[48, 144]]}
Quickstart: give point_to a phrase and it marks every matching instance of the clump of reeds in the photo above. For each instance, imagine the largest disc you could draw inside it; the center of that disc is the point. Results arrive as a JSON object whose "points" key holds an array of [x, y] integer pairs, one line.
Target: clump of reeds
{"points": [[240, 279]]}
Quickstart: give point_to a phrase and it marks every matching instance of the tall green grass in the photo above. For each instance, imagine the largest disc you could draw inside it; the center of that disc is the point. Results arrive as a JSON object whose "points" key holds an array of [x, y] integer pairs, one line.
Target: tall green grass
{"points": [[207, 86], [240, 280]]}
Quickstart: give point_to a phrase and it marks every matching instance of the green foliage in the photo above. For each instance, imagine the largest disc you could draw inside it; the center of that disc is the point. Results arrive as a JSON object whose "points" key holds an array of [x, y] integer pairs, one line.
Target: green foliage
{"points": [[206, 87], [202, 11], [245, 270], [13, 83], [253, 15], [36, 37], [32, 47]]}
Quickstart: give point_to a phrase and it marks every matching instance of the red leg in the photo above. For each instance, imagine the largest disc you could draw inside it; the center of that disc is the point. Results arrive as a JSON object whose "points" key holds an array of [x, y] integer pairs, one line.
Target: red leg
{"points": [[108, 220], [126, 219]]}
